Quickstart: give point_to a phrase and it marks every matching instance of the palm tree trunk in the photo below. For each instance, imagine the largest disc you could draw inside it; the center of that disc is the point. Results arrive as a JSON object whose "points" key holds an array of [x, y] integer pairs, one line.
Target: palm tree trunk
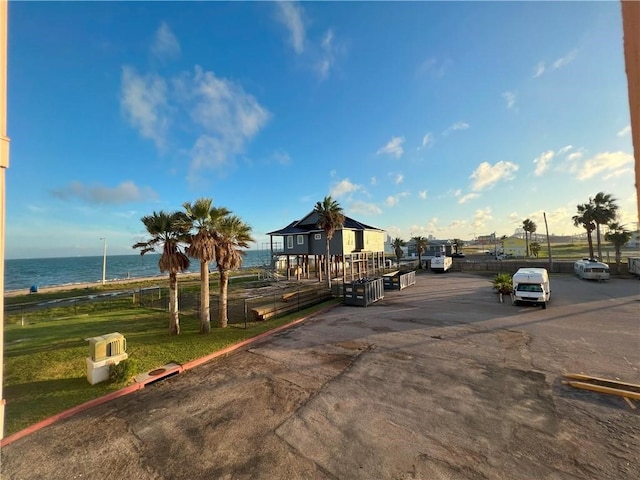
{"points": [[598, 242], [222, 309], [205, 319], [174, 320], [590, 240]]}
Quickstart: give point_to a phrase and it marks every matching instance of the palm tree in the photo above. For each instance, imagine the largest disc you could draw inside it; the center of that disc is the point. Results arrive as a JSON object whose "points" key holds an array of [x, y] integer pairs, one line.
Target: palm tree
{"points": [[529, 227], [204, 219], [330, 219], [421, 245], [168, 234], [232, 235], [397, 245], [617, 235], [605, 210], [457, 244], [584, 218], [535, 248]]}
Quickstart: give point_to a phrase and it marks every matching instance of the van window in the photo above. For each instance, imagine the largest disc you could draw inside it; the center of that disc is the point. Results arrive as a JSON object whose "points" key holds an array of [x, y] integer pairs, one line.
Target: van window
{"points": [[528, 287]]}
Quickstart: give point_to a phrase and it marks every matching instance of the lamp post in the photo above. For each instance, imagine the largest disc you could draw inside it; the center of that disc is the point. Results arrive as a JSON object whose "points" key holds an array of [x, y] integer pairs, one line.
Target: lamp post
{"points": [[104, 260]]}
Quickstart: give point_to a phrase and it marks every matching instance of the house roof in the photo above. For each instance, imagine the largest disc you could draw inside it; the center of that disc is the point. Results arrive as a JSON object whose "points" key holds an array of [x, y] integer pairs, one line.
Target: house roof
{"points": [[309, 223]]}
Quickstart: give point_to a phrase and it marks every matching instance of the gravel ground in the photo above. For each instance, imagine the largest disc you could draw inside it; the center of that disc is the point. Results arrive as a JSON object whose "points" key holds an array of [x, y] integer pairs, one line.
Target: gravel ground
{"points": [[437, 381]]}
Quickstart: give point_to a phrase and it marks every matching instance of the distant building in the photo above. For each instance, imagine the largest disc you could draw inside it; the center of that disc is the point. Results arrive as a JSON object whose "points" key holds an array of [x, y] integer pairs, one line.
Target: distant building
{"points": [[514, 246]]}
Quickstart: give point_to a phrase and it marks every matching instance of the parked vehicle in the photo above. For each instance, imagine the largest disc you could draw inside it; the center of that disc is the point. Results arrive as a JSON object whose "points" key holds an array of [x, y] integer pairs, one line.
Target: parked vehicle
{"points": [[634, 266], [591, 269], [457, 255], [441, 264], [531, 285]]}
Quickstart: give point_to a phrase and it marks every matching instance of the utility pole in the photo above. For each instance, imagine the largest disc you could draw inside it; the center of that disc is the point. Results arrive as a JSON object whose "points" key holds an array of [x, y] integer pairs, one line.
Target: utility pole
{"points": [[104, 261]]}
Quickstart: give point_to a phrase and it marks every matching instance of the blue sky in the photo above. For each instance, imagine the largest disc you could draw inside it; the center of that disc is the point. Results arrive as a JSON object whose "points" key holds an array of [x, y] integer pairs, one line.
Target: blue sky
{"points": [[448, 119]]}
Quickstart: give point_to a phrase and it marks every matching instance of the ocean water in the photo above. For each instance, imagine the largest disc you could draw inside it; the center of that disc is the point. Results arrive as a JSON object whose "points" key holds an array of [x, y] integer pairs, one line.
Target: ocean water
{"points": [[48, 272]]}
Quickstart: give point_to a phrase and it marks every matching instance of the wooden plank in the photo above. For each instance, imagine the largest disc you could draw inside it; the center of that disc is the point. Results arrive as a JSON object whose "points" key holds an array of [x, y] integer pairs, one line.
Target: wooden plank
{"points": [[587, 378], [601, 389]]}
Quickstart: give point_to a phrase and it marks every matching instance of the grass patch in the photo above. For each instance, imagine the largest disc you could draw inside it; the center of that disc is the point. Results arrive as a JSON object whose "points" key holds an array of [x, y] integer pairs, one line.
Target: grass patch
{"points": [[45, 359]]}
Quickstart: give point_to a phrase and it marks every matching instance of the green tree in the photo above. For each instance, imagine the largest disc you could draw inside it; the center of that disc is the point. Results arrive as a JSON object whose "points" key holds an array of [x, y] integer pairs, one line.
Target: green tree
{"points": [[619, 236], [397, 245], [535, 248], [605, 210], [232, 236], [529, 227], [203, 221], [584, 219], [330, 219], [168, 234], [421, 245]]}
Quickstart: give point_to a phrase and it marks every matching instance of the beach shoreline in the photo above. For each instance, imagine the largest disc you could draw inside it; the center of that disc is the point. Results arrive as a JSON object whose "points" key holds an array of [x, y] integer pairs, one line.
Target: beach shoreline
{"points": [[98, 284]]}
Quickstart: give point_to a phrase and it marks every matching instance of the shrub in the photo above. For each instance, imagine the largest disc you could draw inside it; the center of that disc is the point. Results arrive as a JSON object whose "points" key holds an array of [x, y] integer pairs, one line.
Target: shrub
{"points": [[502, 283], [123, 371]]}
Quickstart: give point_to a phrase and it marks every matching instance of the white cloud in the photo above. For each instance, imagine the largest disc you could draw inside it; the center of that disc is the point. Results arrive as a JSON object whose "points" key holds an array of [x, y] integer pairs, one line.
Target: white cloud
{"points": [[456, 126], [99, 194], [363, 208], [165, 45], [399, 179], [625, 131], [143, 100], [343, 187], [480, 218], [564, 150], [393, 147], [510, 98], [427, 141], [568, 58], [540, 68], [281, 157], [422, 194], [393, 200], [605, 164], [542, 162], [486, 175], [575, 156], [290, 14], [469, 196], [228, 116], [327, 57], [434, 67], [374, 181]]}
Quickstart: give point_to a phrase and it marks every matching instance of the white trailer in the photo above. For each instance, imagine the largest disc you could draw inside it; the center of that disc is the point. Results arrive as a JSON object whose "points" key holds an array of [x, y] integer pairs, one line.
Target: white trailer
{"points": [[441, 264], [531, 285], [591, 269], [634, 266]]}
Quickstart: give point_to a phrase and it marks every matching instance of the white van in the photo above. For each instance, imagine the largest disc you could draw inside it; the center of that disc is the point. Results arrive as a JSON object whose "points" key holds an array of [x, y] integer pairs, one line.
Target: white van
{"points": [[531, 285]]}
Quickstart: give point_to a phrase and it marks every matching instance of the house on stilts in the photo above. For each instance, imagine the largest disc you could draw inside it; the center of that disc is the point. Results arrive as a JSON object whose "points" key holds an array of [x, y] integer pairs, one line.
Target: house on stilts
{"points": [[356, 250]]}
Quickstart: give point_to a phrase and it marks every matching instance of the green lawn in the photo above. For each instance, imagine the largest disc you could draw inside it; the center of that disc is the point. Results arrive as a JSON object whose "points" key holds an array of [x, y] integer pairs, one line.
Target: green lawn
{"points": [[45, 367]]}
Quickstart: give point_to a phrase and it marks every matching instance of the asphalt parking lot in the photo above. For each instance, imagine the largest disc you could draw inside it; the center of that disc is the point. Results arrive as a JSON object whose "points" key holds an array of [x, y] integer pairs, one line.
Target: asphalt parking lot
{"points": [[437, 381]]}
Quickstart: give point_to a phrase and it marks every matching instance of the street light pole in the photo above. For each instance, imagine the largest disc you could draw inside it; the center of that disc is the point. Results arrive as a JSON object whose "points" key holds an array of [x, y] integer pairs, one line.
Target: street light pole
{"points": [[104, 260]]}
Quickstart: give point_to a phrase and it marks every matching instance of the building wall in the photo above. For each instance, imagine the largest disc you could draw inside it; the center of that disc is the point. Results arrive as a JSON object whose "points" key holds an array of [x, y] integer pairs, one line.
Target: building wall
{"points": [[514, 246]]}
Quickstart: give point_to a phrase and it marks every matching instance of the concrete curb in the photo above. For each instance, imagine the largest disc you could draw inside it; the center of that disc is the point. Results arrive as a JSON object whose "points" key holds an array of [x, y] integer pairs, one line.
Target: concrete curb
{"points": [[139, 386]]}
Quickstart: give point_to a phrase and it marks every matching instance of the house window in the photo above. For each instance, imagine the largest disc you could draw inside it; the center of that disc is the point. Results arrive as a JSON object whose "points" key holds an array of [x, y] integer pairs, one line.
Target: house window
{"points": [[318, 236], [300, 239], [290, 241]]}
